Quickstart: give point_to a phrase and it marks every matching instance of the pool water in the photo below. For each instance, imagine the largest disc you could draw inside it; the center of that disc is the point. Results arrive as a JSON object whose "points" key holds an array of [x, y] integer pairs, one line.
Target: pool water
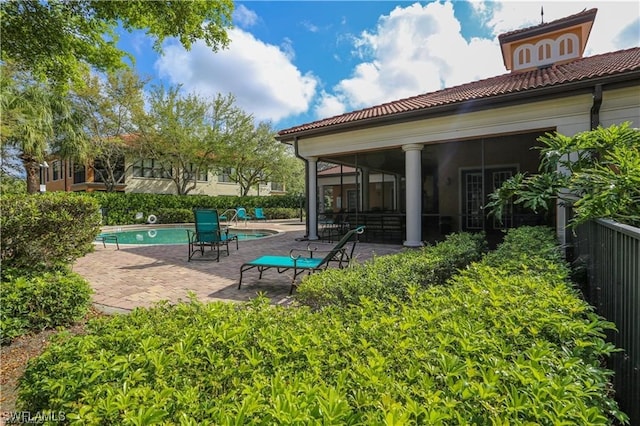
{"points": [[172, 235]]}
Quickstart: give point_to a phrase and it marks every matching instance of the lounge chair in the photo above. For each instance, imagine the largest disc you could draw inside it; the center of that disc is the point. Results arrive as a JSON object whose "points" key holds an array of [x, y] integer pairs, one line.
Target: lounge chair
{"points": [[300, 264], [241, 213], [208, 233], [259, 214]]}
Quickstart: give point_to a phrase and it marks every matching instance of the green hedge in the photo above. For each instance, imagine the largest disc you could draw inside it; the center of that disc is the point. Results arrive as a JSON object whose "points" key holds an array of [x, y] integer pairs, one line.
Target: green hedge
{"points": [[121, 208], [391, 276], [175, 215], [492, 346], [44, 231], [34, 303]]}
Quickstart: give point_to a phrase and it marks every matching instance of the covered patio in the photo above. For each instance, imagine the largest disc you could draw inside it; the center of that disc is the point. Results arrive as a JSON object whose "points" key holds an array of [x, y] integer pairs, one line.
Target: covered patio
{"points": [[421, 192]]}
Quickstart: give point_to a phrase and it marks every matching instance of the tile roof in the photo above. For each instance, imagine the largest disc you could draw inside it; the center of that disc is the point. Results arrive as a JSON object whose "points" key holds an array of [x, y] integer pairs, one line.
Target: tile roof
{"points": [[584, 69]]}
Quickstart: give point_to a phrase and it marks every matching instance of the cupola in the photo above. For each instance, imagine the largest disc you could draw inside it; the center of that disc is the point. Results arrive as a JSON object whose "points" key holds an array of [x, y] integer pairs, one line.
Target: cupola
{"points": [[547, 44]]}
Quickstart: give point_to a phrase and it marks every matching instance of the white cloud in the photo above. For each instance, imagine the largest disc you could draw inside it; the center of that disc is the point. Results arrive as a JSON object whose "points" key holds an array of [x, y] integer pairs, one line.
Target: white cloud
{"points": [[244, 17], [329, 105], [415, 49], [287, 48], [420, 48], [310, 26], [260, 76]]}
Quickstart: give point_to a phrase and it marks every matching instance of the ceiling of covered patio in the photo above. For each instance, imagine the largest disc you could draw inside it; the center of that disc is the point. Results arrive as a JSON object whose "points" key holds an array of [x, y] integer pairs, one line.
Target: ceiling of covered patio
{"points": [[388, 161]]}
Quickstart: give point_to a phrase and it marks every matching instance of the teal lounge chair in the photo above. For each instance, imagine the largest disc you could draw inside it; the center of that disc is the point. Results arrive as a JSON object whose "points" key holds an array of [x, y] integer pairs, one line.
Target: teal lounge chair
{"points": [[300, 264], [241, 213], [208, 233], [259, 214]]}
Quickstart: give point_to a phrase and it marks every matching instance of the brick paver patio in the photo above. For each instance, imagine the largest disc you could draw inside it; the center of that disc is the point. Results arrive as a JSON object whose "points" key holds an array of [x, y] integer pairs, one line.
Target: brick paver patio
{"points": [[140, 276]]}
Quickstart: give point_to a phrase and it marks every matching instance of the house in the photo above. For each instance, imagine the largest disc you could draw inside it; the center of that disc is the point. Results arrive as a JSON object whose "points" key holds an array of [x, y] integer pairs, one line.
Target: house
{"points": [[143, 176], [443, 152]]}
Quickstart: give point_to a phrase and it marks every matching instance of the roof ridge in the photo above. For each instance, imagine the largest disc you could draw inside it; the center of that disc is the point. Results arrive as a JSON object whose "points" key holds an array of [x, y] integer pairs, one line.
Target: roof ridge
{"points": [[578, 69], [584, 12]]}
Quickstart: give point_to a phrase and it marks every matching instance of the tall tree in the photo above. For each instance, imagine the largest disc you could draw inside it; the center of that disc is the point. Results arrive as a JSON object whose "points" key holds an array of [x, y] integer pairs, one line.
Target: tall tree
{"points": [[54, 39], [109, 106], [183, 134], [37, 121], [255, 156]]}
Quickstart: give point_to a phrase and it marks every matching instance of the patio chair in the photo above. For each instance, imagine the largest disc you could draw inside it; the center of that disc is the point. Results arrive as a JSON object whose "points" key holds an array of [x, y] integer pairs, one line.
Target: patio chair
{"points": [[300, 264], [242, 214], [208, 233], [259, 214]]}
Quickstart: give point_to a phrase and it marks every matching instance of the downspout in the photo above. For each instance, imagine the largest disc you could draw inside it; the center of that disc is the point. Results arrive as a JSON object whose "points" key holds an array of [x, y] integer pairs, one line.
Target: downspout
{"points": [[306, 183], [595, 108]]}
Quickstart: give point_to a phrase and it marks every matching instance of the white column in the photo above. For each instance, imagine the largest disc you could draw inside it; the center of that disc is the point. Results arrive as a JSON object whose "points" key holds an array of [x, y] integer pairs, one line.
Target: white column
{"points": [[312, 190], [365, 189], [413, 173]]}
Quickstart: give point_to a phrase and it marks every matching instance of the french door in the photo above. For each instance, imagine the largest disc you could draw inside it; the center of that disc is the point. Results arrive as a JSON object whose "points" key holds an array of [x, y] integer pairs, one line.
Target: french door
{"points": [[475, 189]]}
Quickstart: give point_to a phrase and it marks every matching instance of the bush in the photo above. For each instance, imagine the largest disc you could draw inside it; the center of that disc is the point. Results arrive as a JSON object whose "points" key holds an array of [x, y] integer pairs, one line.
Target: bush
{"points": [[602, 178], [175, 216], [36, 231], [391, 276], [282, 213], [41, 301], [121, 208], [493, 346], [530, 248], [487, 349]]}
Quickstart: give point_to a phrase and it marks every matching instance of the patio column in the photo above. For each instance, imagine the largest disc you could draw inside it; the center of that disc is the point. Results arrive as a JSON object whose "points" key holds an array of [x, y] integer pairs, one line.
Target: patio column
{"points": [[312, 193], [365, 189], [413, 172]]}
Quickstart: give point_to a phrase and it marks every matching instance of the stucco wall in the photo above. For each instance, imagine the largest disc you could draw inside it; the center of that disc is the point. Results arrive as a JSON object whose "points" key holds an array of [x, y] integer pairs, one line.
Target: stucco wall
{"points": [[166, 186]]}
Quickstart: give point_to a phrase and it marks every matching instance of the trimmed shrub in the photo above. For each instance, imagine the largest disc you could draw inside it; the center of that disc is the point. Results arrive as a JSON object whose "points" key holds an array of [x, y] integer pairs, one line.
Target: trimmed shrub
{"points": [[175, 216], [391, 277], [282, 213], [38, 302], [487, 349], [493, 346], [36, 231], [533, 248], [121, 208]]}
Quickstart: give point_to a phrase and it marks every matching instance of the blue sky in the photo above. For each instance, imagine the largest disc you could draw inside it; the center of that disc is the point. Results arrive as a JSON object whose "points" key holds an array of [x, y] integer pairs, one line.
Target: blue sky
{"points": [[292, 62]]}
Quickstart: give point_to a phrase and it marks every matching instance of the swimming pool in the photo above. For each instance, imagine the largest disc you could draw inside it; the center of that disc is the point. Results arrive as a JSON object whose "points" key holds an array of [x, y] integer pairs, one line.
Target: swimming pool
{"points": [[174, 235]]}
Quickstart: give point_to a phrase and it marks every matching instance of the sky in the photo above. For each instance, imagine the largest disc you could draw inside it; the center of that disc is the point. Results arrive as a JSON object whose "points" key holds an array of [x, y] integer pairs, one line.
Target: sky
{"points": [[293, 62]]}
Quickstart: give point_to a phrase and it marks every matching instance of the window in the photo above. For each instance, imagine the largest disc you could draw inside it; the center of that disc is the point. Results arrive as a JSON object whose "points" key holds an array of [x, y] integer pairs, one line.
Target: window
{"points": [[56, 168], [568, 46], [200, 174], [544, 51], [277, 186], [149, 168], [225, 175], [522, 56], [102, 172], [79, 173]]}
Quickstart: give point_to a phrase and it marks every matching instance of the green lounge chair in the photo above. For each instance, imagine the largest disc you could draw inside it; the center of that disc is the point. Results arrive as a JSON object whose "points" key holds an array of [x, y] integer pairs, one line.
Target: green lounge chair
{"points": [[208, 233], [259, 214], [241, 213], [300, 264]]}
